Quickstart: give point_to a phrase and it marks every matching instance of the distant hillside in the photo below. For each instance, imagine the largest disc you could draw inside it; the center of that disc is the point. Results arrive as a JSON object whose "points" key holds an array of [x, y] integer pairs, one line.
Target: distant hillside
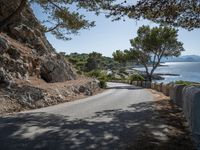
{"points": [[186, 58]]}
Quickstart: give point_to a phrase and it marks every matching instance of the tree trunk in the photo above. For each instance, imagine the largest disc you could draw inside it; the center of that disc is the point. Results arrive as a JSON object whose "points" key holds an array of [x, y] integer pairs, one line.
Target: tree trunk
{"points": [[149, 75], [8, 19]]}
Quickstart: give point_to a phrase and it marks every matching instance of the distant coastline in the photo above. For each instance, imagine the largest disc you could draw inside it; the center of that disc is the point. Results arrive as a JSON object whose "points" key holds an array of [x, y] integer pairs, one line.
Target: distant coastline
{"points": [[185, 58], [174, 71]]}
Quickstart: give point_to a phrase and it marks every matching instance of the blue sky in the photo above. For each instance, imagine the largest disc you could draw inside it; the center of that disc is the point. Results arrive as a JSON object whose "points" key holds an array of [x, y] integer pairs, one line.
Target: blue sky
{"points": [[108, 36]]}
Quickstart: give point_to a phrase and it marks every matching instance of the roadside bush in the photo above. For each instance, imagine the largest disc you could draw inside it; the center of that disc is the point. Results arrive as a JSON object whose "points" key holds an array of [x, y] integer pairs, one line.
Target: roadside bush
{"points": [[122, 70], [186, 83], [135, 77], [102, 84], [100, 75], [94, 73]]}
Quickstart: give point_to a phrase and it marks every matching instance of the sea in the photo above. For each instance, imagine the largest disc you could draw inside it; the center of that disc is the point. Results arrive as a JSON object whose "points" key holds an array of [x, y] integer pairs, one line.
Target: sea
{"points": [[187, 71]]}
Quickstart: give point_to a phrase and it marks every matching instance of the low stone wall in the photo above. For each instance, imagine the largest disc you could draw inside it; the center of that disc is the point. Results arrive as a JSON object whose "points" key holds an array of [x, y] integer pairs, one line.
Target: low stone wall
{"points": [[139, 83], [176, 94], [165, 89], [187, 98], [146, 84], [191, 109], [152, 85], [157, 87]]}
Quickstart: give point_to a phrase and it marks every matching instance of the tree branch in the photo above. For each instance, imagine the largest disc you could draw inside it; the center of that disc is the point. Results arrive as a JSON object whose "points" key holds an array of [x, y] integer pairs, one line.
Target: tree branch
{"points": [[53, 28]]}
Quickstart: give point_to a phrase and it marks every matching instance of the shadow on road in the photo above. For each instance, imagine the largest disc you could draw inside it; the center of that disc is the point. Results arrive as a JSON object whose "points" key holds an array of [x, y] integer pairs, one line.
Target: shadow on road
{"points": [[135, 128]]}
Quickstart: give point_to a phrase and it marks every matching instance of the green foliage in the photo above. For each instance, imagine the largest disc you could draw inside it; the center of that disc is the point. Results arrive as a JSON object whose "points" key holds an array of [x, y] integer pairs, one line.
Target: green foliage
{"points": [[177, 13], [83, 62], [94, 73], [61, 17], [135, 77], [99, 74], [186, 83], [102, 84], [151, 45], [119, 56], [93, 61], [156, 41], [122, 70]]}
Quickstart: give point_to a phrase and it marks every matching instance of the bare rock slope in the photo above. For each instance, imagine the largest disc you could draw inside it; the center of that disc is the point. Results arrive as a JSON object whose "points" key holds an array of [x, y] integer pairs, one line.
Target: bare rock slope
{"points": [[26, 58]]}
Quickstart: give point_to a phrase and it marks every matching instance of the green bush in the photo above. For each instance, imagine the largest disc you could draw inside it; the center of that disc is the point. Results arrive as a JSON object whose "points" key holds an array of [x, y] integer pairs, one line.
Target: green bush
{"points": [[102, 84], [135, 77], [94, 73], [100, 75], [186, 83], [122, 70]]}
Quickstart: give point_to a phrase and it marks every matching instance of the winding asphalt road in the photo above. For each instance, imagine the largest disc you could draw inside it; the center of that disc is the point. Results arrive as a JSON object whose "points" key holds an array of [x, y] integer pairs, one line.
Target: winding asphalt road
{"points": [[110, 120]]}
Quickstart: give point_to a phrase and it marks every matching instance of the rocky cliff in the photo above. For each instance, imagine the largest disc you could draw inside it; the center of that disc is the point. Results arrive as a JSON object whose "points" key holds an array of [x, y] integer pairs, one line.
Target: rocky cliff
{"points": [[32, 74], [30, 53], [25, 27]]}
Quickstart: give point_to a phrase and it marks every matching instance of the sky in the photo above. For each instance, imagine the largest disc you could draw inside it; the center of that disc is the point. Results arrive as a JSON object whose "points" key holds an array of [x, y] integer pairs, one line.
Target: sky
{"points": [[107, 36]]}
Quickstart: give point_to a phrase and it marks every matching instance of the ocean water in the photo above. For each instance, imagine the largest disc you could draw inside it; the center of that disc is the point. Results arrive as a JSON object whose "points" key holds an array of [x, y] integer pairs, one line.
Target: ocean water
{"points": [[188, 71]]}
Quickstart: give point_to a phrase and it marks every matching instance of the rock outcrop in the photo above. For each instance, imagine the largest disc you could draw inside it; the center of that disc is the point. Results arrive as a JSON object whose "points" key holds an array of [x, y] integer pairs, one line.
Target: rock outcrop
{"points": [[56, 70], [30, 96], [30, 53], [21, 62], [32, 74], [25, 27]]}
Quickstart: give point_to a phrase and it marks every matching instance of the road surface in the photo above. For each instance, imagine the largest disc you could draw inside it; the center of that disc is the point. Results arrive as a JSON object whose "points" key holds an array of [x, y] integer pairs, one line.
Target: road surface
{"points": [[111, 120]]}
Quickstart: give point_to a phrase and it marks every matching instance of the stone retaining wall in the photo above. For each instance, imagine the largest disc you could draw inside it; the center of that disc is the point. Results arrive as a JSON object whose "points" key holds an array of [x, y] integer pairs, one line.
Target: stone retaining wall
{"points": [[186, 97], [165, 89], [191, 109]]}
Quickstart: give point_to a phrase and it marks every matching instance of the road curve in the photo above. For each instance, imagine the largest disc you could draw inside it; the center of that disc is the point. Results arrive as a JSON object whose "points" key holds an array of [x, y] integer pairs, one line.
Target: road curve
{"points": [[110, 120]]}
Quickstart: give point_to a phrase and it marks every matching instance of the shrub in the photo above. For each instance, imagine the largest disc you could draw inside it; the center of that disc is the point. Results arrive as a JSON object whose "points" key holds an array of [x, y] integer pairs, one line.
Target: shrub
{"points": [[100, 75], [135, 77], [122, 70], [94, 73], [102, 84], [186, 83]]}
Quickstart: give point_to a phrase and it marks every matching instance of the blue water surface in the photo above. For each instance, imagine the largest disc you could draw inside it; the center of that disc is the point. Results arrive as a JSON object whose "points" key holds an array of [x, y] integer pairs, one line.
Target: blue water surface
{"points": [[188, 71]]}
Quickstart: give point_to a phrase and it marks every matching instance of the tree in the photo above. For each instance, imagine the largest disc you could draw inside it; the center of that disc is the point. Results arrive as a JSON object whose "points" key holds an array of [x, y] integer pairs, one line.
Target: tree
{"points": [[151, 45], [179, 13], [93, 61], [120, 57], [61, 21]]}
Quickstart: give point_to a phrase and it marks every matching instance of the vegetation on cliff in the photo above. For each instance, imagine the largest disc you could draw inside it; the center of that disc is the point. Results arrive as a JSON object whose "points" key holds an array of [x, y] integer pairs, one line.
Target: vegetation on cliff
{"points": [[92, 61]]}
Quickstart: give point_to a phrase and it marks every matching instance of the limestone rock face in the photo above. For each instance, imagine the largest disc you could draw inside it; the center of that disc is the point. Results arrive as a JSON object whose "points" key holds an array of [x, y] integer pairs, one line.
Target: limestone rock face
{"points": [[4, 78], [25, 27], [56, 69], [24, 49]]}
